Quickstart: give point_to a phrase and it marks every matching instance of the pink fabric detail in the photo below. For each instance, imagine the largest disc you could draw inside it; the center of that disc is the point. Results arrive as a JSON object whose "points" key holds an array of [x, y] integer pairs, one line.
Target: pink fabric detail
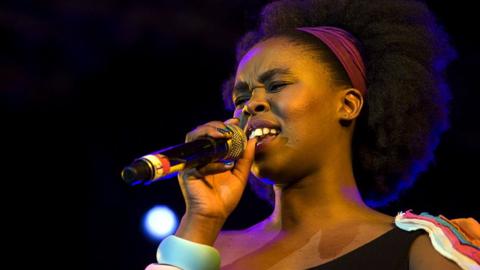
{"points": [[342, 44], [155, 266], [464, 249]]}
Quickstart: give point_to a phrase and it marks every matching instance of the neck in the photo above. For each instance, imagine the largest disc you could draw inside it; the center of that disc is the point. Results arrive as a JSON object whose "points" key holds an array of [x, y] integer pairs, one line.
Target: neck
{"points": [[322, 199]]}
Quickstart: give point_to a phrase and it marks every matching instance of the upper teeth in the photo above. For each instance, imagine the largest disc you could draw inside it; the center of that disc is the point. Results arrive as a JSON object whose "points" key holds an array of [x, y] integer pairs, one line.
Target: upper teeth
{"points": [[263, 131]]}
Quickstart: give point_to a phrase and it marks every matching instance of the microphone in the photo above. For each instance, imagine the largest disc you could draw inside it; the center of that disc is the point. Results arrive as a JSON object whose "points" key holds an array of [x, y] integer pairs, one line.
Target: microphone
{"points": [[194, 154]]}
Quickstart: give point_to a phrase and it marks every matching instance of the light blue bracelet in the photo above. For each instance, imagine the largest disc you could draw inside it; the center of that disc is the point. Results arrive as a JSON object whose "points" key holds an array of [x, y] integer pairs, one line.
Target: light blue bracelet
{"points": [[187, 255]]}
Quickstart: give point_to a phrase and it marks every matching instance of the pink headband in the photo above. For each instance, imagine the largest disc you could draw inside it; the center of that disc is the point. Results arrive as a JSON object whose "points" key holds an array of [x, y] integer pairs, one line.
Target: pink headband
{"points": [[342, 44]]}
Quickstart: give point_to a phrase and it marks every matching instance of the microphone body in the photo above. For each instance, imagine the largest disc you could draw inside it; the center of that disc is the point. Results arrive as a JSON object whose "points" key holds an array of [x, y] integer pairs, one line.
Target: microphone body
{"points": [[194, 154]]}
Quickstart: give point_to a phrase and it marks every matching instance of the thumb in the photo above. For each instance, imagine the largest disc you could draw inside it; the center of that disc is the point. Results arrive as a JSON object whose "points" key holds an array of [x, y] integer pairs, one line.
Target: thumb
{"points": [[243, 165]]}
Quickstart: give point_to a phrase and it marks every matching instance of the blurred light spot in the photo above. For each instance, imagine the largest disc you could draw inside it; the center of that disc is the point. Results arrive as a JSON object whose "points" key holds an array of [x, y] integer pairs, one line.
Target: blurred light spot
{"points": [[159, 222]]}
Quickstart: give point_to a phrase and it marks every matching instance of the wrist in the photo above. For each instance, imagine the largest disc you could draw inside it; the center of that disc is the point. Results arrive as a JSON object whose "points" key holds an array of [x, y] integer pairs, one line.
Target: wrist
{"points": [[188, 255], [200, 229]]}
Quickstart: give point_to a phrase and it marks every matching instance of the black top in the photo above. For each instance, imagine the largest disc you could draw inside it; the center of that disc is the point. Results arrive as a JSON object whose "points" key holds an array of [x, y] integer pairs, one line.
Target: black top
{"points": [[388, 251]]}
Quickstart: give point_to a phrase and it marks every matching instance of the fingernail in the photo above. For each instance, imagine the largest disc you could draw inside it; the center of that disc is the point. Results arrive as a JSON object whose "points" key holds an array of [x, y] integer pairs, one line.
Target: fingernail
{"points": [[224, 131]]}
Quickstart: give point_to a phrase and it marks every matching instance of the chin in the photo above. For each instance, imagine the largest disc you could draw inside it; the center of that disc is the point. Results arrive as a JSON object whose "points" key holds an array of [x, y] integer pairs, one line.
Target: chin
{"points": [[279, 169], [270, 172], [264, 173]]}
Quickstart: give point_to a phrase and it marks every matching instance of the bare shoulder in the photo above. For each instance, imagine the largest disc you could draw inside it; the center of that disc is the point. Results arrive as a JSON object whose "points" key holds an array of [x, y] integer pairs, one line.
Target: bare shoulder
{"points": [[423, 256]]}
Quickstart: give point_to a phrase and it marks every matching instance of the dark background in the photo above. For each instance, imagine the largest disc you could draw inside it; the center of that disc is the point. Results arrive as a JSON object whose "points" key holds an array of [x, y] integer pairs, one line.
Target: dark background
{"points": [[86, 86]]}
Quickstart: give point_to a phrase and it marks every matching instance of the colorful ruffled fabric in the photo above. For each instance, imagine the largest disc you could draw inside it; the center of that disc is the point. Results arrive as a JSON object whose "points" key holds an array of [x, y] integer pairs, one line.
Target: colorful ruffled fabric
{"points": [[456, 239]]}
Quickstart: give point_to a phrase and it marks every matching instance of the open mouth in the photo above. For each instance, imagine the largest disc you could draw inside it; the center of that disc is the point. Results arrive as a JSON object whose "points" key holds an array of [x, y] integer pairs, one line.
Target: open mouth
{"points": [[263, 134]]}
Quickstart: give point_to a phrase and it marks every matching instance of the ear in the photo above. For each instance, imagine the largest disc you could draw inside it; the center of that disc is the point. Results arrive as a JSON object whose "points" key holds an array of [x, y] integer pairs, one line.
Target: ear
{"points": [[351, 103]]}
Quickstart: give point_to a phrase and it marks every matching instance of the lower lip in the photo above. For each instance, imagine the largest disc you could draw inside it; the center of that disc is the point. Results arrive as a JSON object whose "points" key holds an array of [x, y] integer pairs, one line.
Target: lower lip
{"points": [[265, 142]]}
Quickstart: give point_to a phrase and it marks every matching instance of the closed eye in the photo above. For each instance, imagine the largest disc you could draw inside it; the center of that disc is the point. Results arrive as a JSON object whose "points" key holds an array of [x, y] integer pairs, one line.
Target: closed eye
{"points": [[272, 88], [240, 101], [276, 87]]}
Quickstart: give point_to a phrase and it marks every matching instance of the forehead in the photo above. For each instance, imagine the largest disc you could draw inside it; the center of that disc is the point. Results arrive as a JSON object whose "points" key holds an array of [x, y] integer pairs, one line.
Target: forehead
{"points": [[271, 53]]}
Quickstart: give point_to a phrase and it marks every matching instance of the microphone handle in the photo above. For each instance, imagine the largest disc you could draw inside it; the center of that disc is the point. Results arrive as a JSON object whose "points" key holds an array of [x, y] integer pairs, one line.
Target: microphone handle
{"points": [[196, 153], [175, 158]]}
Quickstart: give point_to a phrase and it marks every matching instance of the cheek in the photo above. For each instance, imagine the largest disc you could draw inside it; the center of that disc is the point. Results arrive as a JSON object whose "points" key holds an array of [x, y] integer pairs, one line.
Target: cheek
{"points": [[306, 116], [302, 108]]}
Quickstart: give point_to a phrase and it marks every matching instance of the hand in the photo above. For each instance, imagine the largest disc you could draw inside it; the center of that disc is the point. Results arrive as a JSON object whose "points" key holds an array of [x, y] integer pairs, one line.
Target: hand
{"points": [[214, 190]]}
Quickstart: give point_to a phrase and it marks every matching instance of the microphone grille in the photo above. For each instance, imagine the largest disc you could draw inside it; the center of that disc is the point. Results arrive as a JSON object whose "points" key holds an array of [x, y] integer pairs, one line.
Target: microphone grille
{"points": [[236, 144]]}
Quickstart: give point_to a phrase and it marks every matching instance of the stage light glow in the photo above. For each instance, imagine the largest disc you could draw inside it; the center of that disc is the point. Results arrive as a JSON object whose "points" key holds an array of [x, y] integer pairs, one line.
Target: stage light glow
{"points": [[159, 222]]}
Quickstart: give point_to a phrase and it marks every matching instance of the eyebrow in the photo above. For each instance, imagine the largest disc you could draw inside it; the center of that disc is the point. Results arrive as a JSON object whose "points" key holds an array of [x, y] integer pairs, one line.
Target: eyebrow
{"points": [[264, 77]]}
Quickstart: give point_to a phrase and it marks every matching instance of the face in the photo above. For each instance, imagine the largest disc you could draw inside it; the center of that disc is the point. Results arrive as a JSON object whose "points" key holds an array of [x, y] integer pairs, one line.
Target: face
{"points": [[281, 86]]}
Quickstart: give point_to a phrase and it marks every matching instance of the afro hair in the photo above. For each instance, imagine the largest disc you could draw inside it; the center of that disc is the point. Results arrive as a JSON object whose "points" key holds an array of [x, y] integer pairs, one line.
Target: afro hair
{"points": [[406, 53]]}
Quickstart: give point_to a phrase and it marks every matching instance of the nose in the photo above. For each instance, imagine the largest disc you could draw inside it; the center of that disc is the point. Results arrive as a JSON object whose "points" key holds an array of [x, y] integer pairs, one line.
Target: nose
{"points": [[256, 105]]}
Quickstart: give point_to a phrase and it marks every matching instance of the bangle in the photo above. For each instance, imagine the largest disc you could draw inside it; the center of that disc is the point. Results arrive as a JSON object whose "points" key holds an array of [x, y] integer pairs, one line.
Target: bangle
{"points": [[187, 255]]}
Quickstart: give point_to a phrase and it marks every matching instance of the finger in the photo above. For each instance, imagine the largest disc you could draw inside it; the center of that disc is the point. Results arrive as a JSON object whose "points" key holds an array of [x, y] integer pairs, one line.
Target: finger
{"points": [[243, 165], [211, 168], [207, 130], [223, 127], [215, 167], [217, 124], [188, 174], [232, 121]]}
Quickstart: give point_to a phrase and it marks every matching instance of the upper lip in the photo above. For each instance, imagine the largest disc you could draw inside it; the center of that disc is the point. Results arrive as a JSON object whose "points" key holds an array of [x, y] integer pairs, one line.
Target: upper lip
{"points": [[260, 123]]}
